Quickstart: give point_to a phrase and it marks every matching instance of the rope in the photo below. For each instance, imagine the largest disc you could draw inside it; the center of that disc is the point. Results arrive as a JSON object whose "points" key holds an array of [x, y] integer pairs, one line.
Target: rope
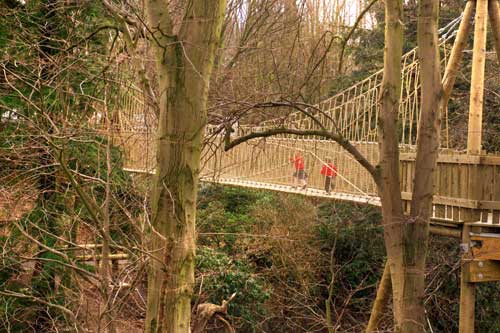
{"points": [[445, 33], [323, 162], [257, 173], [339, 174]]}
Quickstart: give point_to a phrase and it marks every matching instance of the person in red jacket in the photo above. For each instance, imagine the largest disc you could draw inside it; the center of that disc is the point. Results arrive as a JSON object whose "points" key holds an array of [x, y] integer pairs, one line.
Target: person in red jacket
{"points": [[299, 173], [329, 170]]}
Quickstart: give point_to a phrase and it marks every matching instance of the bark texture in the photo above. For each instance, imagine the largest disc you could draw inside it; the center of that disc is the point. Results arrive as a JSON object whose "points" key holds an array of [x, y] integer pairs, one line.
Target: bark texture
{"points": [[389, 182], [416, 231], [184, 59], [381, 301], [406, 236]]}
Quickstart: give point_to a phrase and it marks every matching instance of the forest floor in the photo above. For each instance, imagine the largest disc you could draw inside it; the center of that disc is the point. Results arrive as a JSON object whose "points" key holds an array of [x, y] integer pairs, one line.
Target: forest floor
{"points": [[128, 319]]}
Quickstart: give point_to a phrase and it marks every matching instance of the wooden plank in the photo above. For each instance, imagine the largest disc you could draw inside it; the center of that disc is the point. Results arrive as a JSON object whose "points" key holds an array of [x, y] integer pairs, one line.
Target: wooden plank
{"points": [[455, 181], [437, 183], [409, 176], [403, 169], [451, 212], [484, 215], [496, 183], [94, 257], [486, 175], [466, 214], [474, 132], [490, 160], [439, 210], [483, 271], [489, 248], [463, 176], [449, 182], [443, 184], [459, 202], [457, 158], [472, 190], [455, 215], [445, 231], [496, 193]]}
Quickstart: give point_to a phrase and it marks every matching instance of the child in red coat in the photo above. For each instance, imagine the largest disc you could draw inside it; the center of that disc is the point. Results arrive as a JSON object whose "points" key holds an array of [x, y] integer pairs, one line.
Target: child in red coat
{"points": [[329, 170], [299, 173]]}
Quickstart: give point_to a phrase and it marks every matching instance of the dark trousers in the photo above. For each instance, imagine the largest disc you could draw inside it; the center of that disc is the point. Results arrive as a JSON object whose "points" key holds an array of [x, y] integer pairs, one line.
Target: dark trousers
{"points": [[328, 183]]}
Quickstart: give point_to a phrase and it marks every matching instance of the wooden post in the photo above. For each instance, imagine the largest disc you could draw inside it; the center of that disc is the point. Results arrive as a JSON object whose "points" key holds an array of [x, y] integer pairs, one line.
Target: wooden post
{"points": [[494, 11], [450, 73], [467, 289], [474, 134]]}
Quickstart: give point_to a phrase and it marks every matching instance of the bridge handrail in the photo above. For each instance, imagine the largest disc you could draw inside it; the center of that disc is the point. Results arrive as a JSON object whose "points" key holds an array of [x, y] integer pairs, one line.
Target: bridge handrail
{"points": [[343, 109]]}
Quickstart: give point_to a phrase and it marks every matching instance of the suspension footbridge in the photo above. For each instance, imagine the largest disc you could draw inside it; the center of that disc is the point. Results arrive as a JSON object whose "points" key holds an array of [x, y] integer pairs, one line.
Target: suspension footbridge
{"points": [[467, 186], [466, 201]]}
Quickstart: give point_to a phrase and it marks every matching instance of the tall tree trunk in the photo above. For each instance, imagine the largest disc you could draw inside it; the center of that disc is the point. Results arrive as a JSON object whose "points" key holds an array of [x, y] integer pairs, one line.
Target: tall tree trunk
{"points": [[105, 268], [389, 183], [417, 228], [184, 64], [406, 237]]}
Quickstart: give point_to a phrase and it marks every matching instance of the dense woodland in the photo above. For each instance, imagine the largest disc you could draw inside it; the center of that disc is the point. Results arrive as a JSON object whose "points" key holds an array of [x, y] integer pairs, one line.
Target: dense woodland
{"points": [[274, 262]]}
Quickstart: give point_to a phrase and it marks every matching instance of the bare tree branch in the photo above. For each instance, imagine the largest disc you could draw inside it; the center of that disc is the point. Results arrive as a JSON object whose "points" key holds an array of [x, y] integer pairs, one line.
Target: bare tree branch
{"points": [[319, 133]]}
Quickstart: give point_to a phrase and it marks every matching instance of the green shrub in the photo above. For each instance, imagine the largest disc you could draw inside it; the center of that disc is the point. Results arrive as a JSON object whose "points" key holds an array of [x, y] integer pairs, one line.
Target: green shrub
{"points": [[225, 212], [223, 276]]}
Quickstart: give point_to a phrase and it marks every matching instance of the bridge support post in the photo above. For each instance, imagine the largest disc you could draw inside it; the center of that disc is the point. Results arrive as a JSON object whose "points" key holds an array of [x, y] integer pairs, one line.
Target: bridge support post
{"points": [[467, 289], [459, 45], [451, 71], [474, 134]]}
